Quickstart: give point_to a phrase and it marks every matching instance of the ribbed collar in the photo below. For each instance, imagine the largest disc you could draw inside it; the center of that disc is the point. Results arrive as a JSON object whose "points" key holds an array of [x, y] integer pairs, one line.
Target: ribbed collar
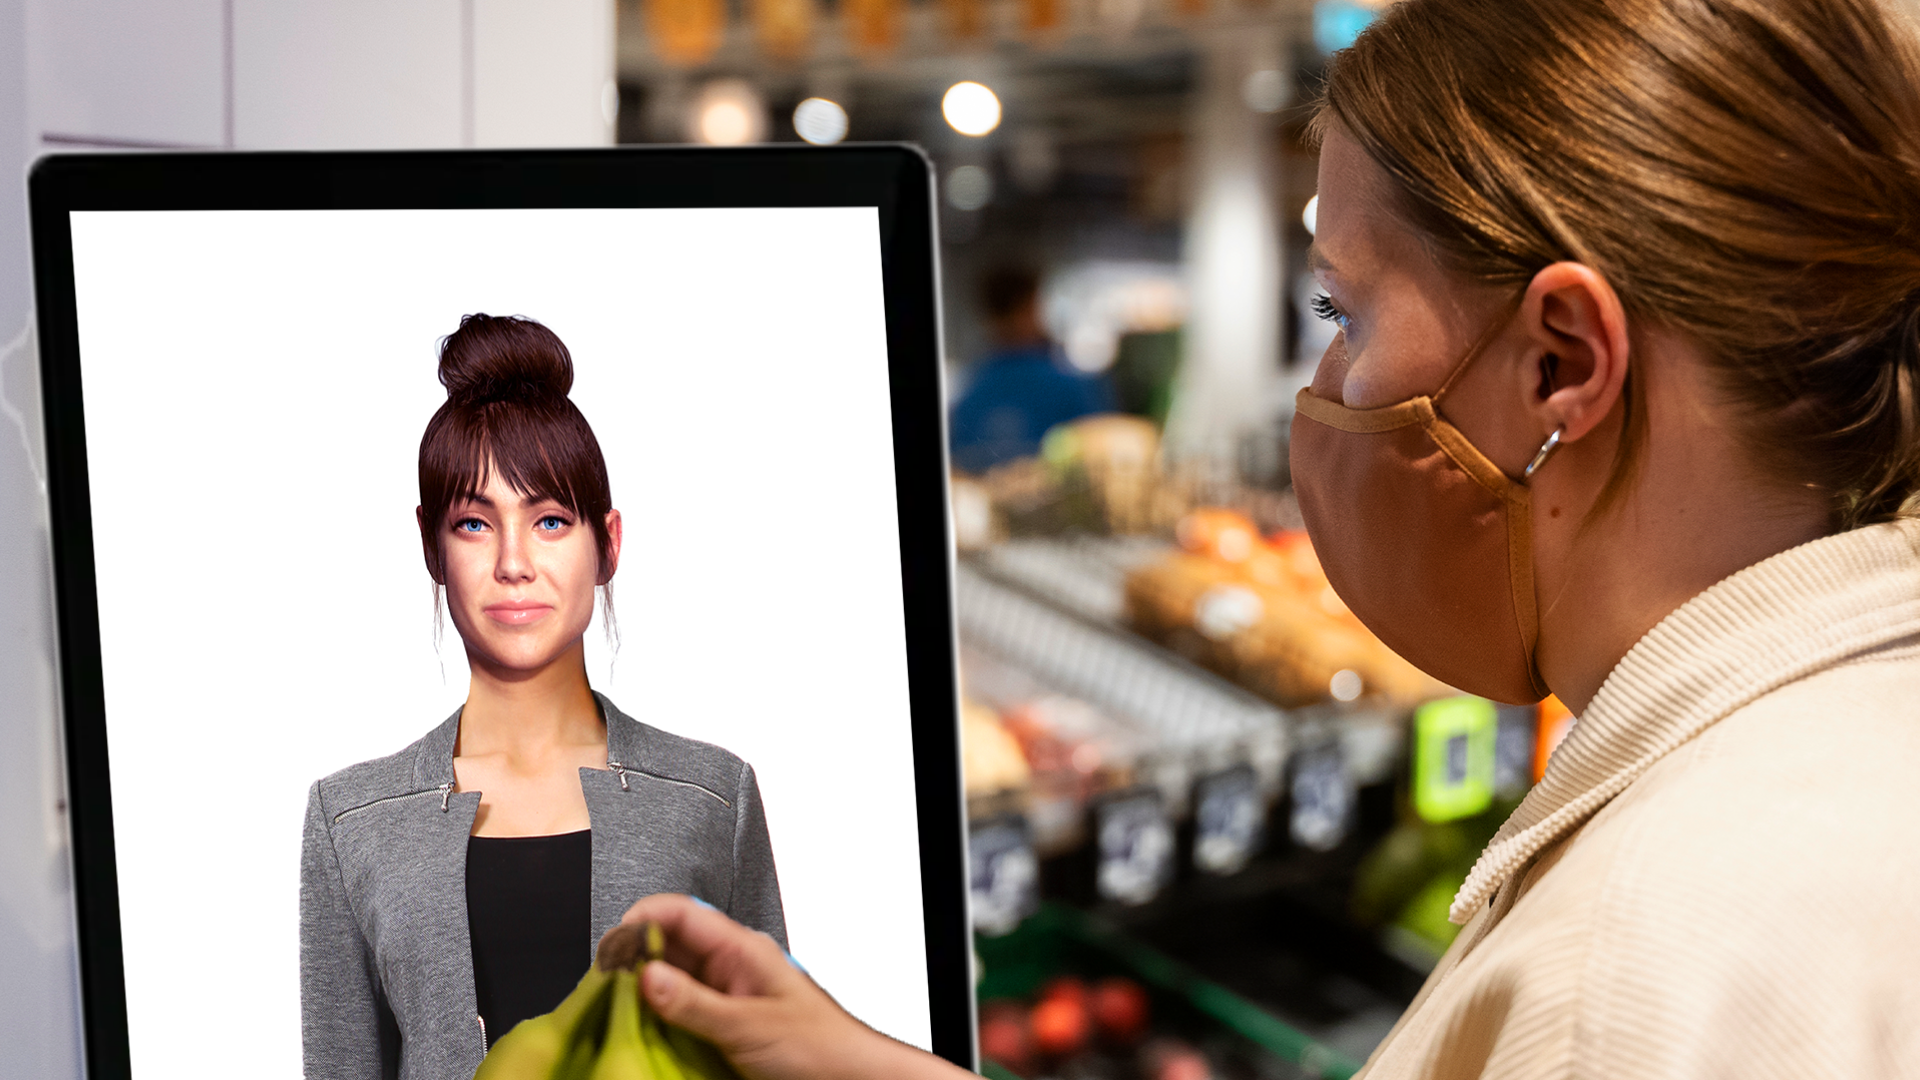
{"points": [[1778, 620]]}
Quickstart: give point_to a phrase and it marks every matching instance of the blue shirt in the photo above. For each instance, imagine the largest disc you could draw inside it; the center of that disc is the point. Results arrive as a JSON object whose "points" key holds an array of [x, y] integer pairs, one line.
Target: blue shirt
{"points": [[1016, 395]]}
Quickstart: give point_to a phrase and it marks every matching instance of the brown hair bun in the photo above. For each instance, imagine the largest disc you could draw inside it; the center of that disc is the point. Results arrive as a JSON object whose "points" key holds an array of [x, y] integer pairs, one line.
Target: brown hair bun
{"points": [[504, 358]]}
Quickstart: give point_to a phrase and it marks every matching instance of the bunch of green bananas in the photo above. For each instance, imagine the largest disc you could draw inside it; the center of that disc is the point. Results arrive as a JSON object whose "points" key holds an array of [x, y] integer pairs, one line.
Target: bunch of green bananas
{"points": [[605, 1030]]}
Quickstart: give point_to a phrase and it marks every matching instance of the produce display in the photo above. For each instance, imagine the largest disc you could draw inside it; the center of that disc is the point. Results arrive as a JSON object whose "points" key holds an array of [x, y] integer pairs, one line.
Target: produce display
{"points": [[1074, 1027], [1046, 756], [605, 1030], [1259, 610], [1101, 474], [992, 759]]}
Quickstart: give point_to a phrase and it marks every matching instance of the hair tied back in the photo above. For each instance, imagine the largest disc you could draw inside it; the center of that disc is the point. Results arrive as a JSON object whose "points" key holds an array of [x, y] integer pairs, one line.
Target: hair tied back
{"points": [[504, 358]]}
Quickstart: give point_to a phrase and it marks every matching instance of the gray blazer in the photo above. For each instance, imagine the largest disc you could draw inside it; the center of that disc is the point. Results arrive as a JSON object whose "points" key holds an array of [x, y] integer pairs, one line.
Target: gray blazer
{"points": [[386, 967]]}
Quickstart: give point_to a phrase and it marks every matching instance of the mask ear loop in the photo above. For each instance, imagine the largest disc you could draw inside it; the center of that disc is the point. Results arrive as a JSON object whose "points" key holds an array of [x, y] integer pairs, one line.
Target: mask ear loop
{"points": [[1479, 346]]}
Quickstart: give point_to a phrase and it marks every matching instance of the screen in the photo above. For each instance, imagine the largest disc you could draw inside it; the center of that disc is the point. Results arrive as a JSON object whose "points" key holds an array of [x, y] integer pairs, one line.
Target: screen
{"points": [[256, 387]]}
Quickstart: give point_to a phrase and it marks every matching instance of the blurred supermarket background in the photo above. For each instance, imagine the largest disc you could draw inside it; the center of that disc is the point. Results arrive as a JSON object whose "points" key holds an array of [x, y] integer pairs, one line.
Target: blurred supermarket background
{"points": [[1215, 824]]}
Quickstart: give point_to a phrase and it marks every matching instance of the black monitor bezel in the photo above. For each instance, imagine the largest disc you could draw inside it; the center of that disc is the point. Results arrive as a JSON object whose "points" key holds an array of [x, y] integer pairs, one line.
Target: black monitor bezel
{"points": [[896, 179]]}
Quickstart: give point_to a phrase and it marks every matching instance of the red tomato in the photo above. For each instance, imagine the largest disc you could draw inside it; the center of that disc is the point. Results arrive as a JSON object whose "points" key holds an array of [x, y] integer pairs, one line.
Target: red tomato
{"points": [[1224, 534], [1183, 1065], [1003, 1035], [1070, 987], [1119, 1009], [1059, 1026]]}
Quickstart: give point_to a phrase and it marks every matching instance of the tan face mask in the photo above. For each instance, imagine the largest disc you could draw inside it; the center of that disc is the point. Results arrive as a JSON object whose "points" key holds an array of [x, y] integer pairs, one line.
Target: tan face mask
{"points": [[1426, 540]]}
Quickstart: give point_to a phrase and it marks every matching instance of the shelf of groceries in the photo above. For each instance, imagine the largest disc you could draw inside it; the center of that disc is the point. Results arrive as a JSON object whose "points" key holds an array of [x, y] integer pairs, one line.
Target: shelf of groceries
{"points": [[1215, 824]]}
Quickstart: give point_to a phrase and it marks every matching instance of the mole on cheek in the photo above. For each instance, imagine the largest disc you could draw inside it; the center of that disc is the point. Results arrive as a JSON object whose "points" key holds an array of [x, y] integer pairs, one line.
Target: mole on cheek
{"points": [[1555, 512]]}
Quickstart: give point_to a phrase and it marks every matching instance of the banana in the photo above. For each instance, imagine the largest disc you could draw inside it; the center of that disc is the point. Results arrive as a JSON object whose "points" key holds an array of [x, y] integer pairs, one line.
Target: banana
{"points": [[587, 1037], [623, 1056], [536, 1048], [579, 1061], [659, 1054], [604, 1030]]}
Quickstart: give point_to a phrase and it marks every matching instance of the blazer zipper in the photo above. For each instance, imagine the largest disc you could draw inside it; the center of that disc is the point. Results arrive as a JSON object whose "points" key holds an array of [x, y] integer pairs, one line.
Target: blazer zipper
{"points": [[445, 791], [621, 771]]}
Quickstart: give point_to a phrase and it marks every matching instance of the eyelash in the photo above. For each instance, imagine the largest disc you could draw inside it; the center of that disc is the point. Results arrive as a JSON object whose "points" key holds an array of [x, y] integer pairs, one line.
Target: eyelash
{"points": [[459, 526], [1323, 307]]}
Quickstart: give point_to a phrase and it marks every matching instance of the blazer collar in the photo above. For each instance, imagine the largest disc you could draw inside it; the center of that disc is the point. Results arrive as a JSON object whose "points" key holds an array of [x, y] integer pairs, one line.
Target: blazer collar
{"points": [[433, 763], [623, 734], [1781, 619]]}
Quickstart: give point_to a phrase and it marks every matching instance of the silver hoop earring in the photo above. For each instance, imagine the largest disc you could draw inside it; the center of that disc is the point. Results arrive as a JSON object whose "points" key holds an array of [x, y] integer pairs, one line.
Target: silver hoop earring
{"points": [[1546, 451]]}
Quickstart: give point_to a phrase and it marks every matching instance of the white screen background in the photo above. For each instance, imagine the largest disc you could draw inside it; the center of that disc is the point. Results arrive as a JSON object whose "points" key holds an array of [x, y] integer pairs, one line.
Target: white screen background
{"points": [[256, 385]]}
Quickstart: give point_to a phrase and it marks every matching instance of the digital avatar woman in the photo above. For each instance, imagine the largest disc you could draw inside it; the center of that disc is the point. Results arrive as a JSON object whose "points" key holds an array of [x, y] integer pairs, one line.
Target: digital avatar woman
{"points": [[459, 886], [1624, 406]]}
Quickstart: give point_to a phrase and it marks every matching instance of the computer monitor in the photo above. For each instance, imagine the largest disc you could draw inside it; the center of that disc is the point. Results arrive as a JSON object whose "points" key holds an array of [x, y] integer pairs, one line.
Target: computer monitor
{"points": [[261, 679]]}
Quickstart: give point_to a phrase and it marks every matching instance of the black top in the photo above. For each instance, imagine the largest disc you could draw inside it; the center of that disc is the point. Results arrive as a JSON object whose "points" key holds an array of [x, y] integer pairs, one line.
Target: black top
{"points": [[529, 903]]}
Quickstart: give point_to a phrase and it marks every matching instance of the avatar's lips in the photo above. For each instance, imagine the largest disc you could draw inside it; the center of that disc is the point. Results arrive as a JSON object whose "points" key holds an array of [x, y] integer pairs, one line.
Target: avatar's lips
{"points": [[518, 612]]}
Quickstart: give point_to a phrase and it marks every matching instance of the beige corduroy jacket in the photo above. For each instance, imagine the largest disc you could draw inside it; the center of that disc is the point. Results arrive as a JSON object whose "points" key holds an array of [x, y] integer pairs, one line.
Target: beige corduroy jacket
{"points": [[1719, 875]]}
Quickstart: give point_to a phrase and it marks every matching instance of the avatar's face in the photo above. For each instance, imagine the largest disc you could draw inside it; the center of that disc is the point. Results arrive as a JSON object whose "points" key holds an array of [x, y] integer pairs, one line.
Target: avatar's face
{"points": [[520, 575]]}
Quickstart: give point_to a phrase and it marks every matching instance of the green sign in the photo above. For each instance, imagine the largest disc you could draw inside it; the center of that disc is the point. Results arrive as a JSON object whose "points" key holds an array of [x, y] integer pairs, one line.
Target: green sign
{"points": [[1454, 743]]}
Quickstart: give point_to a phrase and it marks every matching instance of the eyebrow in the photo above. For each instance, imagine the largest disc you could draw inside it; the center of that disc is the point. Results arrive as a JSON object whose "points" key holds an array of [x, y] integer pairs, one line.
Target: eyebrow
{"points": [[1317, 259], [482, 500]]}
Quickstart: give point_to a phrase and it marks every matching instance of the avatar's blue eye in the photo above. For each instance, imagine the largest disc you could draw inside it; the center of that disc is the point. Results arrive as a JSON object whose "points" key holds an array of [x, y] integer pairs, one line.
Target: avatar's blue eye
{"points": [[1324, 307], [553, 522], [470, 525]]}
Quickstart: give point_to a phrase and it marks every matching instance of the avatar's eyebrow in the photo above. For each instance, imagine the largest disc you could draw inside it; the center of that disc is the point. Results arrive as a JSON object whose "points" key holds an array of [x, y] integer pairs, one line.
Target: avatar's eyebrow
{"points": [[1317, 260], [474, 497]]}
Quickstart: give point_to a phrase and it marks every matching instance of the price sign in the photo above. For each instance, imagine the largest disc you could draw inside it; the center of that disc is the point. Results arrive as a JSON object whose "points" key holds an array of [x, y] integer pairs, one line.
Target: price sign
{"points": [[1453, 758], [1323, 798], [1136, 847], [1229, 820], [1004, 873], [1513, 751]]}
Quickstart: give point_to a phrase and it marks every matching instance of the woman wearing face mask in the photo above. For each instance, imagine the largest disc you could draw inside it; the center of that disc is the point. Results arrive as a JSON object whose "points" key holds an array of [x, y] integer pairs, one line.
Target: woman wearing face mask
{"points": [[458, 887], [1625, 406]]}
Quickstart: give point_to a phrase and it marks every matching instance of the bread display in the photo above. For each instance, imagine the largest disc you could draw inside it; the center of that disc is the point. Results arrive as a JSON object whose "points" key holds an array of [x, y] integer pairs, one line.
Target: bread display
{"points": [[1261, 612]]}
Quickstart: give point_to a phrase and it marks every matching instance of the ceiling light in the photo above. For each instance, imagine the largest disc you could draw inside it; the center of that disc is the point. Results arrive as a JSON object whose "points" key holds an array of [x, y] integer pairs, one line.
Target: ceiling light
{"points": [[820, 121], [1265, 90], [969, 187], [972, 109], [728, 112]]}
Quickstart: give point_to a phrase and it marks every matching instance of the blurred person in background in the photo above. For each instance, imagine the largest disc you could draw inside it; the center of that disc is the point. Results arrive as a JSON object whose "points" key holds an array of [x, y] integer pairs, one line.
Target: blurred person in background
{"points": [[1024, 386], [1625, 406]]}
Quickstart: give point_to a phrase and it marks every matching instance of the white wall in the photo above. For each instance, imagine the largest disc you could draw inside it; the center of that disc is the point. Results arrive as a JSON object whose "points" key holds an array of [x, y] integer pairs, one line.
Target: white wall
{"points": [[530, 88], [252, 74], [95, 73], [39, 1033], [269, 74], [349, 73]]}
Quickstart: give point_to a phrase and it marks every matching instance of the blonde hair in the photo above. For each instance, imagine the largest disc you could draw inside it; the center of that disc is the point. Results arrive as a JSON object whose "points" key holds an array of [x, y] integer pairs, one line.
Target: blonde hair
{"points": [[1746, 171]]}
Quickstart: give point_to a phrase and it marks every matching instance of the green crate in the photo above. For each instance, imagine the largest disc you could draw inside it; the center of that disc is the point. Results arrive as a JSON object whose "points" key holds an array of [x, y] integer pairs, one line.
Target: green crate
{"points": [[1059, 938]]}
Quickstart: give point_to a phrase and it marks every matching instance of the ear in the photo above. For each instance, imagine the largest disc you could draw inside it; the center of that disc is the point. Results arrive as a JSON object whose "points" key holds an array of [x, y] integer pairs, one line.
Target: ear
{"points": [[428, 549], [613, 546], [1578, 328]]}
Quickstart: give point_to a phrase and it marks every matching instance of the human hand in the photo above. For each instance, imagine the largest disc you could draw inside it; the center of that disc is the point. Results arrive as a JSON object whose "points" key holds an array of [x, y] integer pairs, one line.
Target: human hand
{"points": [[739, 990]]}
